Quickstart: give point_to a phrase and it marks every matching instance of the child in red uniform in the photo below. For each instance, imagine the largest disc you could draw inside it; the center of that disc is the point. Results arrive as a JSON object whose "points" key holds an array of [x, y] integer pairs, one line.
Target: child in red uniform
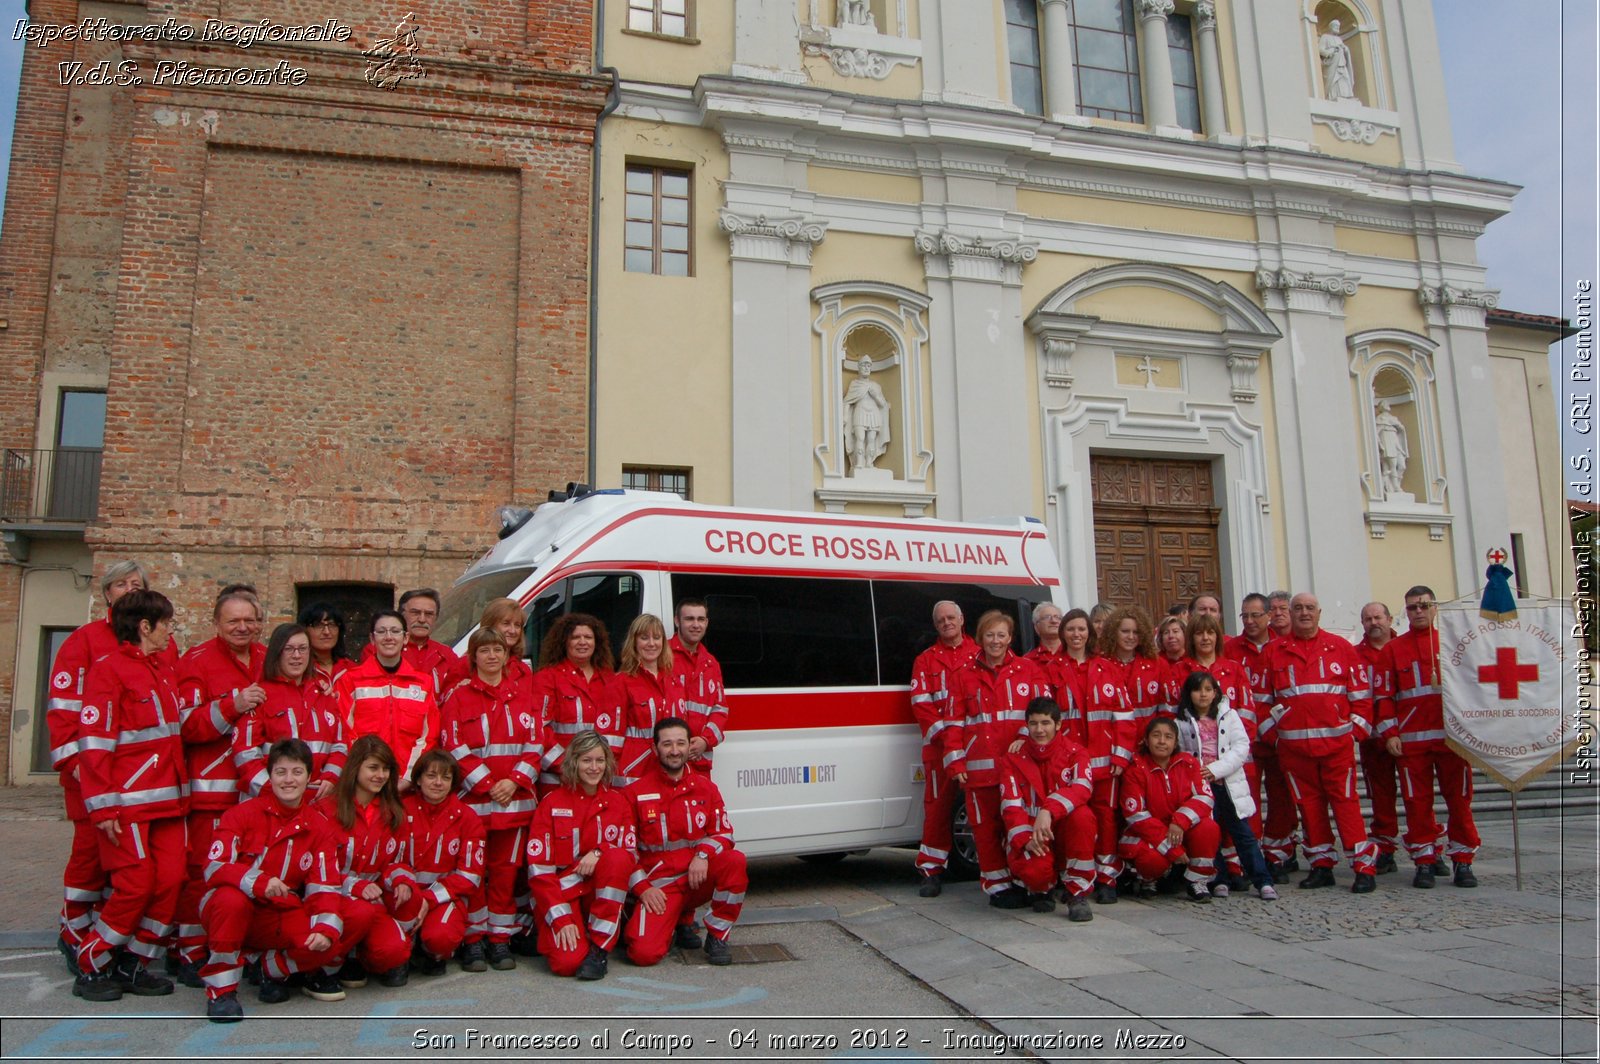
{"points": [[1044, 800], [1167, 803], [444, 849]]}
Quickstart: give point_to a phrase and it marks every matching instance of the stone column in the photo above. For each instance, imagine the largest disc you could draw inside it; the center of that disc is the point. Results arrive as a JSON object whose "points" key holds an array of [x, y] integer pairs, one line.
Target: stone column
{"points": [[772, 387], [1155, 66], [1212, 117], [1060, 82]]}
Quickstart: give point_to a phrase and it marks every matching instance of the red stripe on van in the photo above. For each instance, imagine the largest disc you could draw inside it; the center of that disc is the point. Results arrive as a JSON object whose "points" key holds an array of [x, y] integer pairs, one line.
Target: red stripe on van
{"points": [[757, 570], [762, 710]]}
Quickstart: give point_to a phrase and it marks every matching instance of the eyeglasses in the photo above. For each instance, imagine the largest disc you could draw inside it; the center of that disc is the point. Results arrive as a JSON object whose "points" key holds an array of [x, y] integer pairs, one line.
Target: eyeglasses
{"points": [[388, 631], [1419, 606], [329, 623], [1251, 616], [297, 650]]}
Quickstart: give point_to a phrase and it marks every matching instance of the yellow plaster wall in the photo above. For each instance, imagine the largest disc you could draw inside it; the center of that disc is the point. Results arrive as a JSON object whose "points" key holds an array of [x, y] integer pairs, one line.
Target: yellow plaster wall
{"points": [[863, 185], [1221, 225], [1049, 272], [1386, 152], [866, 257], [1375, 242], [1405, 557], [1232, 94], [1383, 308], [671, 60], [1143, 305], [665, 343]]}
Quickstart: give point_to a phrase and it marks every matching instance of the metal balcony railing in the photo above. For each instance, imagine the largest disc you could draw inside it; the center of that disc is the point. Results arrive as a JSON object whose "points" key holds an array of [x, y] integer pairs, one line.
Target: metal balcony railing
{"points": [[49, 486]]}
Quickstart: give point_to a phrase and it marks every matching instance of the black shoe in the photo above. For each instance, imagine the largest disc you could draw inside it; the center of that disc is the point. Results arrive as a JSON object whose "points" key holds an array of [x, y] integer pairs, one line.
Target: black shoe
{"points": [[1173, 882], [1144, 888], [1291, 865], [225, 1009], [70, 953], [171, 962], [524, 944], [252, 973], [1464, 876], [1105, 894], [1011, 898], [321, 986], [686, 937], [1043, 903], [188, 974], [594, 965], [1078, 910], [932, 885], [353, 976], [425, 963], [129, 973], [399, 975], [471, 957], [717, 951], [498, 954], [1423, 879], [1198, 892], [1317, 877], [273, 992], [1278, 873], [1365, 883], [1385, 864], [96, 986]]}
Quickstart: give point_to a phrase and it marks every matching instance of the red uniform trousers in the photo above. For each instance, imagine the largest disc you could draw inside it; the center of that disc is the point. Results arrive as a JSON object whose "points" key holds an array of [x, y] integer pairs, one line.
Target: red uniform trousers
{"points": [[1070, 860], [1277, 830], [1321, 782], [1379, 769], [236, 923], [650, 935], [498, 905], [1151, 860], [443, 929], [191, 934], [83, 883], [938, 808], [1422, 827], [146, 871], [386, 942], [596, 902], [1103, 803], [989, 835]]}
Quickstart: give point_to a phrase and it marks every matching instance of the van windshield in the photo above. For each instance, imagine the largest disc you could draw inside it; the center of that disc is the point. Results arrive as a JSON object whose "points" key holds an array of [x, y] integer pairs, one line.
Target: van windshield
{"points": [[464, 603]]}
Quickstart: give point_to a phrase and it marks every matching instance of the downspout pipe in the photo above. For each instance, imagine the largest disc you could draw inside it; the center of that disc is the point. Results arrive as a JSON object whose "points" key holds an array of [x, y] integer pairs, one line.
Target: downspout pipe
{"points": [[613, 99]]}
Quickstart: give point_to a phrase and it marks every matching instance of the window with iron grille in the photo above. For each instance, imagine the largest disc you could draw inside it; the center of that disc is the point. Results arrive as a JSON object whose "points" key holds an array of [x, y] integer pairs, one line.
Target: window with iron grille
{"points": [[656, 478], [670, 18], [656, 221]]}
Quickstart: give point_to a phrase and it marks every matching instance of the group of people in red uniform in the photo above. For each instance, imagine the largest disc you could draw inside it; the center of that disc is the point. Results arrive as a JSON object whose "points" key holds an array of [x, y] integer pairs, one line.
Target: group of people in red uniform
{"points": [[285, 814], [1117, 758]]}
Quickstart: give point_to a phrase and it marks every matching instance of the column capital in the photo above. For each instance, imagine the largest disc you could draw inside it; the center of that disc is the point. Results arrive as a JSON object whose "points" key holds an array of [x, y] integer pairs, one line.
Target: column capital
{"points": [[1451, 305], [1154, 9], [788, 239], [1305, 290], [971, 258], [1205, 15]]}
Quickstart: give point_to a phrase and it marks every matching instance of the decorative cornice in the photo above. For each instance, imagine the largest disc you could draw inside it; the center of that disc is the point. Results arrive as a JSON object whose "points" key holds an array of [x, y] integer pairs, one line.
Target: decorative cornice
{"points": [[859, 62], [782, 239], [1446, 295], [1355, 130], [1333, 284], [944, 242]]}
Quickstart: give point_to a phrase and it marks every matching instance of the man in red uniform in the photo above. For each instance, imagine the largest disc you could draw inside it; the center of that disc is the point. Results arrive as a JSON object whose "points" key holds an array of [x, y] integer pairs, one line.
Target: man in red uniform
{"points": [[1412, 701], [1276, 829], [419, 608], [1321, 698], [219, 681], [1044, 801], [698, 673], [1378, 766], [84, 880], [930, 690], [1205, 604], [686, 854]]}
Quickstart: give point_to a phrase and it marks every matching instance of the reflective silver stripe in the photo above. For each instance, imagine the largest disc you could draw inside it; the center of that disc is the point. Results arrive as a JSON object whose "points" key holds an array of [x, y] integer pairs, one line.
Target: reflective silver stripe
{"points": [[503, 750], [1314, 733], [980, 764], [62, 752], [562, 728], [542, 870], [150, 797], [979, 718], [1420, 736], [556, 912], [332, 920], [248, 881], [472, 878], [570, 880], [1418, 692], [639, 733], [918, 700], [65, 705], [611, 894], [1312, 689], [214, 786], [320, 888], [474, 777], [428, 879], [605, 927], [717, 923], [726, 898]]}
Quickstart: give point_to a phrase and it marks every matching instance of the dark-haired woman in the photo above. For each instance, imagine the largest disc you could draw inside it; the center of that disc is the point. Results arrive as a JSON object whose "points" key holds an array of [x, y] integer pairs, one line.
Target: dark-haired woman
{"points": [[444, 849], [325, 626], [273, 884], [576, 690], [1167, 803], [296, 707], [136, 790], [386, 697]]}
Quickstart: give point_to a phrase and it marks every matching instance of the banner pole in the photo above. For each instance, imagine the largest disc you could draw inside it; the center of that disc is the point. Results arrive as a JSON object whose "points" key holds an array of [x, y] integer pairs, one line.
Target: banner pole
{"points": [[1516, 840]]}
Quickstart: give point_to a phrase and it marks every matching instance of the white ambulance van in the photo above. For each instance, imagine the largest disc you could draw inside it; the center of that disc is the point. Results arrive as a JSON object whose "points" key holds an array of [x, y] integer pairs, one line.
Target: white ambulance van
{"points": [[815, 618]]}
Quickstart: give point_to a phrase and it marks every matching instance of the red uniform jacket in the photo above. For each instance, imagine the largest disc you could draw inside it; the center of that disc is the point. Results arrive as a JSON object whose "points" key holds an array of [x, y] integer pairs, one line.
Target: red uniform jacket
{"points": [[1321, 695], [291, 711], [568, 824], [1411, 699], [397, 707], [444, 848], [930, 687], [677, 821], [263, 839], [208, 678], [130, 754], [1233, 682], [369, 851], [70, 671], [1253, 656], [569, 704], [1378, 673], [705, 702], [495, 733], [1054, 776], [988, 712], [1153, 798], [1113, 731], [646, 699], [329, 677], [432, 660]]}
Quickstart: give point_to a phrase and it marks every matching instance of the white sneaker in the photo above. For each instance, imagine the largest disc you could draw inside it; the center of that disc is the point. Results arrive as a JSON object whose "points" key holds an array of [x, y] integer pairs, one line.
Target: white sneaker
{"points": [[1220, 890], [1266, 892]]}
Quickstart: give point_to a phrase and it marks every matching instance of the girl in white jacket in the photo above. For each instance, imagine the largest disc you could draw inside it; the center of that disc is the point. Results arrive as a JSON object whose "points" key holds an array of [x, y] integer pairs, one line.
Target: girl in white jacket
{"points": [[1211, 730]]}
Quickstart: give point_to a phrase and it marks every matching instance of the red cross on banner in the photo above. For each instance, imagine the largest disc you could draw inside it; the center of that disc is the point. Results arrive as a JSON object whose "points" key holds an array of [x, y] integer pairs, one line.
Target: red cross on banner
{"points": [[1506, 673], [1496, 556]]}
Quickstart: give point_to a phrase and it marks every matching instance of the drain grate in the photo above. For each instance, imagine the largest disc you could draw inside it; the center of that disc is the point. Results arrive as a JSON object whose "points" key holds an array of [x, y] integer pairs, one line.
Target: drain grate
{"points": [[755, 953]]}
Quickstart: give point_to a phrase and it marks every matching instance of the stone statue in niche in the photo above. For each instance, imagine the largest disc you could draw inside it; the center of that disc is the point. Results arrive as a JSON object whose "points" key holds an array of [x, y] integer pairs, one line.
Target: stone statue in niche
{"points": [[856, 13], [1338, 75], [866, 418], [1393, 451]]}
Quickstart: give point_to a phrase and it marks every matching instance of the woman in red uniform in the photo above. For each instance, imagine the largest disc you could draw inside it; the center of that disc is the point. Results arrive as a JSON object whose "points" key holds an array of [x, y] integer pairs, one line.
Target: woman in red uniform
{"points": [[1172, 644], [1167, 803], [386, 697], [273, 884], [580, 857], [136, 790], [1124, 686], [445, 852], [297, 706], [329, 658], [1072, 674], [492, 728], [650, 693], [370, 826], [576, 690]]}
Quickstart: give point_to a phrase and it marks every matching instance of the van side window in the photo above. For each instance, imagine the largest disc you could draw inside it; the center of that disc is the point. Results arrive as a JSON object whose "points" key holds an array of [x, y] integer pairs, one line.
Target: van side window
{"points": [[615, 598], [905, 617], [787, 632]]}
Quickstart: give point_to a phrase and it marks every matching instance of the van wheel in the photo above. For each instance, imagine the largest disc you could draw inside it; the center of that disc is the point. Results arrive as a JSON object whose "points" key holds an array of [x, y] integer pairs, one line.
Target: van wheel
{"points": [[832, 858], [963, 862]]}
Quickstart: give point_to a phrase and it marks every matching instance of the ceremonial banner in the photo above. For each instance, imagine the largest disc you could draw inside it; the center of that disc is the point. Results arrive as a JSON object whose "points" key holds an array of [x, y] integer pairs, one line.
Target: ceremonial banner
{"points": [[1503, 682]]}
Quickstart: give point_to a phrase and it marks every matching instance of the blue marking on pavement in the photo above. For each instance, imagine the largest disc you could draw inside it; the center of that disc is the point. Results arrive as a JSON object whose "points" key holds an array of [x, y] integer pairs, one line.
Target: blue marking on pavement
{"points": [[64, 1035], [375, 1031], [653, 1002], [221, 1040]]}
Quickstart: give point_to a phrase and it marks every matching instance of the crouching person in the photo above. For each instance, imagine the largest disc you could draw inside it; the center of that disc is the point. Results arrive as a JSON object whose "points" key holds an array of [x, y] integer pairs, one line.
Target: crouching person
{"points": [[369, 824], [580, 857], [1044, 801], [445, 850], [686, 855], [1167, 803], [273, 885]]}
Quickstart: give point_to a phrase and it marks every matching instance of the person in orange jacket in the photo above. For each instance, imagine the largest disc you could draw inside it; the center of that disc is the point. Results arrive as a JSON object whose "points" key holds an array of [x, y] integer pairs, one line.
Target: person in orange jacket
{"points": [[386, 697]]}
